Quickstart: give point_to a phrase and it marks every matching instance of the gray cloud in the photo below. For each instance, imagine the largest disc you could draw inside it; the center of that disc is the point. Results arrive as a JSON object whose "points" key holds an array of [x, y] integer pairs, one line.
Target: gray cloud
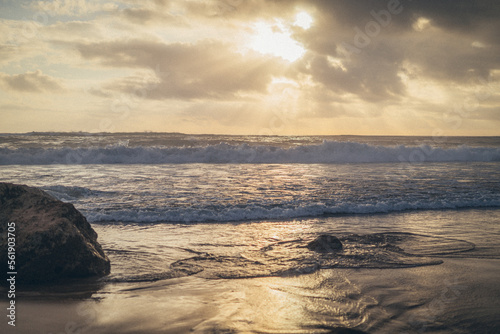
{"points": [[372, 40], [372, 75], [465, 15], [31, 82]]}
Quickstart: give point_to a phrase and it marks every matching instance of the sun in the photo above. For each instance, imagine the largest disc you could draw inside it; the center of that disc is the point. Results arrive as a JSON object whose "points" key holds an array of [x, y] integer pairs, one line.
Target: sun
{"points": [[276, 38]]}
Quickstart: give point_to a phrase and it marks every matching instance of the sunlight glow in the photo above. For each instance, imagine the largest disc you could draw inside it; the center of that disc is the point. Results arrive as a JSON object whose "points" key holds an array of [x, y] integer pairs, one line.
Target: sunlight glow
{"points": [[276, 40], [303, 20], [421, 24], [336, 63]]}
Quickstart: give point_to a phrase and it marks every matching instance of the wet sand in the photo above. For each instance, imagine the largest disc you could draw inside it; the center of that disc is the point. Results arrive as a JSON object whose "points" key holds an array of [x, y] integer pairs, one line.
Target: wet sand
{"points": [[458, 296]]}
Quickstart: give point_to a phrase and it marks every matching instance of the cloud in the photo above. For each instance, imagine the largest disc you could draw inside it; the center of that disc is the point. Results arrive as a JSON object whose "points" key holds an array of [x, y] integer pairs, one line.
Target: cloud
{"points": [[464, 15], [207, 69], [31, 82], [371, 62], [71, 8], [373, 75], [160, 16], [336, 60], [72, 30], [8, 52], [362, 47], [446, 57]]}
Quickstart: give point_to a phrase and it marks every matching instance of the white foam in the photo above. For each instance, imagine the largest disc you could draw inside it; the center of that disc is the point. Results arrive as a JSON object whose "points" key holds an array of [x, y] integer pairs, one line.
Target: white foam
{"points": [[257, 212], [326, 152]]}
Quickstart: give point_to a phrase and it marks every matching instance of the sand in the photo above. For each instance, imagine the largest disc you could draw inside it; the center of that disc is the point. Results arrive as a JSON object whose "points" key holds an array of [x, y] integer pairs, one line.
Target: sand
{"points": [[458, 296]]}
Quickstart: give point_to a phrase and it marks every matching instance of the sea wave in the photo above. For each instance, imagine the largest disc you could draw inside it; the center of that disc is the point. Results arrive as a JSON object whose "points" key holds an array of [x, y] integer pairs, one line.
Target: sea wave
{"points": [[257, 212], [326, 152], [71, 193]]}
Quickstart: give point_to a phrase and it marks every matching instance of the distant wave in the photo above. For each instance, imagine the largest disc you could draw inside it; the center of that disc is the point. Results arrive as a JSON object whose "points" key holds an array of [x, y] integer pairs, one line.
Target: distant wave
{"points": [[326, 152]]}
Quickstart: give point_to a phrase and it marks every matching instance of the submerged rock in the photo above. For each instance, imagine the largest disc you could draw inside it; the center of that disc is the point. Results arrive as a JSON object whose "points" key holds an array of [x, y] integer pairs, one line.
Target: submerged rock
{"points": [[53, 240], [325, 243]]}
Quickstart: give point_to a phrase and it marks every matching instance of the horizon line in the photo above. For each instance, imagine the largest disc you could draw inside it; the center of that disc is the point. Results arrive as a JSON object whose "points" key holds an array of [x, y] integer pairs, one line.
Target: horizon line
{"points": [[235, 135]]}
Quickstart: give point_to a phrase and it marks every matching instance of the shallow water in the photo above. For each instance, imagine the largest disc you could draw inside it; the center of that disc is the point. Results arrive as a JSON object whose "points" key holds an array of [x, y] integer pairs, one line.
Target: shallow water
{"points": [[460, 295]]}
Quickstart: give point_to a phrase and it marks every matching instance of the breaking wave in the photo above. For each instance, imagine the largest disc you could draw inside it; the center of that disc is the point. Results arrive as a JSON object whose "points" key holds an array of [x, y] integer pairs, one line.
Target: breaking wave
{"points": [[326, 152], [257, 212]]}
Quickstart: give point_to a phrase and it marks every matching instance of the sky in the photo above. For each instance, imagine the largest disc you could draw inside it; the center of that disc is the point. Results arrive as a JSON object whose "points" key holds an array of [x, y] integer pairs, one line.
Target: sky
{"points": [[264, 67]]}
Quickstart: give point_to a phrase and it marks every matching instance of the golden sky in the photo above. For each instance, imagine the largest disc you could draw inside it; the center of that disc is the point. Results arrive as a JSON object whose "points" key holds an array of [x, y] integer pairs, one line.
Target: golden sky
{"points": [[266, 67]]}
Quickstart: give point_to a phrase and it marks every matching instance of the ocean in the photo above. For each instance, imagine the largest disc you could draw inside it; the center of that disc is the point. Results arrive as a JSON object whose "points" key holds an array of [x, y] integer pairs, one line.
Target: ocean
{"points": [[209, 233]]}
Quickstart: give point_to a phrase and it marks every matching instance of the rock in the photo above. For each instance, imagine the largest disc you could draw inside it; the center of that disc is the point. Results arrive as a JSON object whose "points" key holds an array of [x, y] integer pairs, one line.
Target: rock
{"points": [[345, 330], [325, 243], [53, 240]]}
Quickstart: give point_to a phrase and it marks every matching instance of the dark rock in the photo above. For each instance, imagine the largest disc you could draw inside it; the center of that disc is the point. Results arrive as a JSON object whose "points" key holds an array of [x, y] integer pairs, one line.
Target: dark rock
{"points": [[325, 243], [53, 240], [343, 330]]}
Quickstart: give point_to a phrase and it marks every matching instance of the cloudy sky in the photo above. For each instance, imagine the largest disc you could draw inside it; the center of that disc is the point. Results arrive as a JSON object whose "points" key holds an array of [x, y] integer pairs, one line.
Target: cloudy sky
{"points": [[271, 67]]}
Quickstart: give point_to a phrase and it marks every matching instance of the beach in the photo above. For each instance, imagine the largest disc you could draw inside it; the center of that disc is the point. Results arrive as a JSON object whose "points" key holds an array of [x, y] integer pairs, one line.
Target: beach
{"points": [[256, 167], [212, 234], [458, 296]]}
